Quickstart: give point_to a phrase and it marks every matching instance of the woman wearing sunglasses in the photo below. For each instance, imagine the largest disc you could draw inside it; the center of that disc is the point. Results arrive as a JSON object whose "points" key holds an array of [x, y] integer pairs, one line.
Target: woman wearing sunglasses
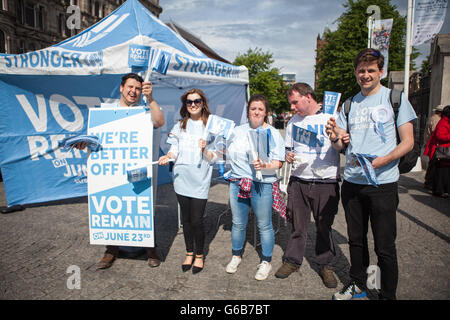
{"points": [[191, 173]]}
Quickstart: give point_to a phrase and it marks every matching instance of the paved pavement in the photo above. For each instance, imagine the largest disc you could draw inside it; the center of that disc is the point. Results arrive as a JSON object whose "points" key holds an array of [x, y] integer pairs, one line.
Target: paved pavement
{"points": [[41, 244]]}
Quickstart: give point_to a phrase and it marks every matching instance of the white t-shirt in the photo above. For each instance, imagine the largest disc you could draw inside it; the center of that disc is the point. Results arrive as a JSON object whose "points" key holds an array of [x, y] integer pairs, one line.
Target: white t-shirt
{"points": [[191, 172], [317, 159]]}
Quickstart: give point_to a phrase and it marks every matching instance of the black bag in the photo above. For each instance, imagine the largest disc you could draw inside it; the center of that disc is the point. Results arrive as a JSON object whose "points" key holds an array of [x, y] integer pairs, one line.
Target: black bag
{"points": [[409, 160], [442, 153]]}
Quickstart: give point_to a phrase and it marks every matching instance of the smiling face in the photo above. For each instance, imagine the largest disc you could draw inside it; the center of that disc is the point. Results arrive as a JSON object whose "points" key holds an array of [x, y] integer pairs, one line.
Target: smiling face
{"points": [[256, 113], [194, 105], [130, 92], [368, 76]]}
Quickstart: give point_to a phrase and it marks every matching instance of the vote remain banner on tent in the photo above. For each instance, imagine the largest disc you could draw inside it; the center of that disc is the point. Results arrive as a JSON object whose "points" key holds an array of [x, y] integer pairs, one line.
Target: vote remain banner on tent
{"points": [[120, 211]]}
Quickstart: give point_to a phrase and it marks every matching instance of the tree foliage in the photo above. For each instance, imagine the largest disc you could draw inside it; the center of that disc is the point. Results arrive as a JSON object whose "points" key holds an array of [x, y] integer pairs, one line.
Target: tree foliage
{"points": [[263, 78], [335, 64]]}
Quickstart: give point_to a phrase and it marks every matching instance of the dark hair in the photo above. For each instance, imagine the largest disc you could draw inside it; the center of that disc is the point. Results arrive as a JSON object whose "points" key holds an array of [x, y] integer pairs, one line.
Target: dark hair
{"points": [[303, 89], [263, 99], [134, 76], [369, 55], [446, 111], [184, 113]]}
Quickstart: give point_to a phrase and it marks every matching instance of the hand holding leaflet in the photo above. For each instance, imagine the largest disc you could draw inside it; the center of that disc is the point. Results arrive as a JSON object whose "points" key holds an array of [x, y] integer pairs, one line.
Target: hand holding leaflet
{"points": [[254, 154], [141, 173], [366, 164], [90, 140]]}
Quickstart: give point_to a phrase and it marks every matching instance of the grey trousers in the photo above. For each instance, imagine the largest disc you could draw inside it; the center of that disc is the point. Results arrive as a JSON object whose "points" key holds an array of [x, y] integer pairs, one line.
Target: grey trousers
{"points": [[322, 200]]}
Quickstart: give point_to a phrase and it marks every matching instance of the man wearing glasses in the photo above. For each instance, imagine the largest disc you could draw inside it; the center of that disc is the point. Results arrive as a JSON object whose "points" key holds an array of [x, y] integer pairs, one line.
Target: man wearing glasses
{"points": [[369, 131]]}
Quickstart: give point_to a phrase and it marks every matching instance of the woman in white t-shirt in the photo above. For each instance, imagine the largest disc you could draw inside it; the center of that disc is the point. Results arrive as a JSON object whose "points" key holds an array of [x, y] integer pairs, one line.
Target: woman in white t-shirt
{"points": [[192, 173]]}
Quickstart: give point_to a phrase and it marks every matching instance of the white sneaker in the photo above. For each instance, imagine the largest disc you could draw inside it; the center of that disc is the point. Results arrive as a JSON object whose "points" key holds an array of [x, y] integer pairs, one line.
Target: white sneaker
{"points": [[234, 263], [263, 270]]}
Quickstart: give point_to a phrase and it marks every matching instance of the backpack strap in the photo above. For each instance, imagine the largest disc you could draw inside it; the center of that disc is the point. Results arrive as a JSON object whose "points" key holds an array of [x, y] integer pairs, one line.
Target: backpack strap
{"points": [[347, 105], [395, 98]]}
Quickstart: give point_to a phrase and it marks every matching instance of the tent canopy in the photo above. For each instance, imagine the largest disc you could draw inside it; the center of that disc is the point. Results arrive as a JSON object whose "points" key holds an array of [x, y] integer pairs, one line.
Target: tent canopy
{"points": [[46, 94]]}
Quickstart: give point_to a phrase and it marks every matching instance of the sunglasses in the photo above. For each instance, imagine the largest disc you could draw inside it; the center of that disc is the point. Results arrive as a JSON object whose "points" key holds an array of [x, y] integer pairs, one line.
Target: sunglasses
{"points": [[196, 101]]}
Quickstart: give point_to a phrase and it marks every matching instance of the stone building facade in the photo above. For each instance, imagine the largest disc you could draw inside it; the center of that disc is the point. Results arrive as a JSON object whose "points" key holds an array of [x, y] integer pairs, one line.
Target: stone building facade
{"points": [[29, 25]]}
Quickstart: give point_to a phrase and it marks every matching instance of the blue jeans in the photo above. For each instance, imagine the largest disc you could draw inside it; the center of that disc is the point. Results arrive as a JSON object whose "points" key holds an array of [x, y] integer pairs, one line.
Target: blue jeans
{"points": [[261, 203]]}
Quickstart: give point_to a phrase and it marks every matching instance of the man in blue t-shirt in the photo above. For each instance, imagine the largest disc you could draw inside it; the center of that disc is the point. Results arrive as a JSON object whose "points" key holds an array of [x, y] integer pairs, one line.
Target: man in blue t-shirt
{"points": [[370, 133]]}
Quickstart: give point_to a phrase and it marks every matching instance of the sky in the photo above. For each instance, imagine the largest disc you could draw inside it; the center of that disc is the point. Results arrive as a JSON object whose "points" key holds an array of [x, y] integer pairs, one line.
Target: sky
{"points": [[286, 28]]}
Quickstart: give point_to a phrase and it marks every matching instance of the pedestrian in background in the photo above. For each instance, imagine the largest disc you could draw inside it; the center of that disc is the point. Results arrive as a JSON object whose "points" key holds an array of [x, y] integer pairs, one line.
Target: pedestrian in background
{"points": [[429, 128], [440, 138]]}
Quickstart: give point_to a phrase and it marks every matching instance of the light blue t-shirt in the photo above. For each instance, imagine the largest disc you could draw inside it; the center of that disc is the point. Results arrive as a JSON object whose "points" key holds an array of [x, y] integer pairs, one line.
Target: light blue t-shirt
{"points": [[191, 172], [240, 159], [366, 139]]}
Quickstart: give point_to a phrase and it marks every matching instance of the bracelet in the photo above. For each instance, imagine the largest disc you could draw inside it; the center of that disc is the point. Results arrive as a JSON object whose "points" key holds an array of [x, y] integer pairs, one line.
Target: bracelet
{"points": [[335, 140]]}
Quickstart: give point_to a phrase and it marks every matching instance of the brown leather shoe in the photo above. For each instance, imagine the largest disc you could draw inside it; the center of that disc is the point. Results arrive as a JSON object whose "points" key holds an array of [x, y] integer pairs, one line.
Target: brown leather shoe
{"points": [[328, 278], [152, 262], [286, 269], [106, 261], [153, 258]]}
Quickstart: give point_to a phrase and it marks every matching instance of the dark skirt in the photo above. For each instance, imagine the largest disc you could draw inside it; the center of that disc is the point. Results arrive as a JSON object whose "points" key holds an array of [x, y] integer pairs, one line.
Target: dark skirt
{"points": [[441, 179]]}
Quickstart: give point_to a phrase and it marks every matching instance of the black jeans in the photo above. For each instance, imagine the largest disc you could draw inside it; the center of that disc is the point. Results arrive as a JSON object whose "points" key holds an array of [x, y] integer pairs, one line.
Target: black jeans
{"points": [[192, 211], [360, 203], [323, 200]]}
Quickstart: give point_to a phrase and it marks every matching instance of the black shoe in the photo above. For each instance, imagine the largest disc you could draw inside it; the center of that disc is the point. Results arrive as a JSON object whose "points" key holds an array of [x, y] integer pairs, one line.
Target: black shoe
{"points": [[15, 208], [187, 267], [195, 269]]}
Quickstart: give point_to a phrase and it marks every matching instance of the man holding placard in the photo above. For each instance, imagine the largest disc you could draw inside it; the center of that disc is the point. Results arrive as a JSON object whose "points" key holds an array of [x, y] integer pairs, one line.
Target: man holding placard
{"points": [[131, 89], [313, 185]]}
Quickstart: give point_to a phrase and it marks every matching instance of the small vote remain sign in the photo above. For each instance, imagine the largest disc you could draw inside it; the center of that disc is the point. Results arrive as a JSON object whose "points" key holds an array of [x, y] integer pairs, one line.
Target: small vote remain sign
{"points": [[120, 212]]}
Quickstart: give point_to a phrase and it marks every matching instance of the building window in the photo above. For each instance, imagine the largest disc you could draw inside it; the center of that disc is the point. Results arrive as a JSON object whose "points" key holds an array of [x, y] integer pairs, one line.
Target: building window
{"points": [[61, 24], [20, 11], [97, 9], [90, 7], [2, 42], [29, 14], [40, 14]]}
